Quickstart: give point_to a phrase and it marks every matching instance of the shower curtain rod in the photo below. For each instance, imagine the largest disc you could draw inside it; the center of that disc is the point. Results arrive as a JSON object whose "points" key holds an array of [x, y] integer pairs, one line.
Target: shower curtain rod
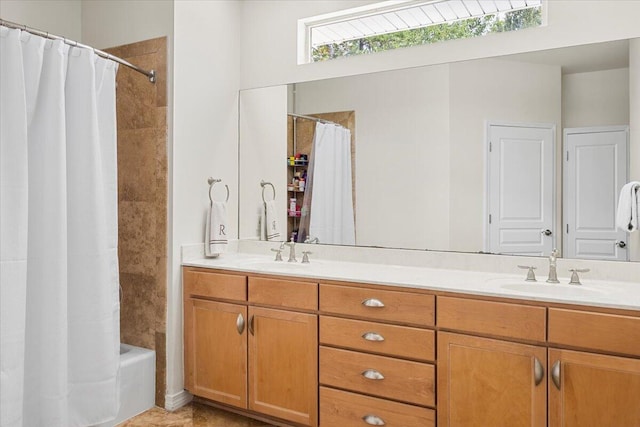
{"points": [[151, 75], [315, 119]]}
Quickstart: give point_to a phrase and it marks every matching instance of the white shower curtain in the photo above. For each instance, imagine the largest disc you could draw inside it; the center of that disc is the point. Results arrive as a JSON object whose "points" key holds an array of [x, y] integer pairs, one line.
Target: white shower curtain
{"points": [[59, 308], [331, 214]]}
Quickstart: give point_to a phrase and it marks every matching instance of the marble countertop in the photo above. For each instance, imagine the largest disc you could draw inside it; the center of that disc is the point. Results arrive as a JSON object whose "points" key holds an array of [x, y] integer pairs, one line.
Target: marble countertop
{"points": [[598, 293]]}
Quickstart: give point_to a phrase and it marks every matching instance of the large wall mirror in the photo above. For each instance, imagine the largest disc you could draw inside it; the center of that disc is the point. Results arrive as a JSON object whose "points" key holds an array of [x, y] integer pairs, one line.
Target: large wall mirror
{"points": [[515, 154]]}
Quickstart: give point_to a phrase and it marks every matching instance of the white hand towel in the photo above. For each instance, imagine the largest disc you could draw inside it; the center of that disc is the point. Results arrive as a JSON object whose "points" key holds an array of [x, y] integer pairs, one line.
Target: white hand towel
{"points": [[216, 230], [627, 215], [271, 225]]}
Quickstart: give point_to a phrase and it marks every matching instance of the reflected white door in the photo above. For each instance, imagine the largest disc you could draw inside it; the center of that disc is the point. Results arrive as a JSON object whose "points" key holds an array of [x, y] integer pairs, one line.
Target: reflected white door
{"points": [[596, 168], [521, 189]]}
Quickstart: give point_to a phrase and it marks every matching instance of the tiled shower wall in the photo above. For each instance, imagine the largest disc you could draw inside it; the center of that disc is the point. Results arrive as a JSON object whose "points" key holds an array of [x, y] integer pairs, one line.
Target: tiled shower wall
{"points": [[142, 200]]}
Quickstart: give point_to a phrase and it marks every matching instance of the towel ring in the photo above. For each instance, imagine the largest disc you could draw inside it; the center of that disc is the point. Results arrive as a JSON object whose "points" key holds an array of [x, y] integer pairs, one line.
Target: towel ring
{"points": [[263, 183], [213, 182]]}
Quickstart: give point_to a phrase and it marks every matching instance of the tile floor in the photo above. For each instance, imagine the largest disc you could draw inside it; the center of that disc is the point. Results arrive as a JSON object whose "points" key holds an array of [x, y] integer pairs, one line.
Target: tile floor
{"points": [[191, 415]]}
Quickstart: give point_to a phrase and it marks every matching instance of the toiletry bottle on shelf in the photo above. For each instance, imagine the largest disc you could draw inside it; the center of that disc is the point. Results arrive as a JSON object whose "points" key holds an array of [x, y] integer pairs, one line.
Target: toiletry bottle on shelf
{"points": [[301, 184], [292, 206]]}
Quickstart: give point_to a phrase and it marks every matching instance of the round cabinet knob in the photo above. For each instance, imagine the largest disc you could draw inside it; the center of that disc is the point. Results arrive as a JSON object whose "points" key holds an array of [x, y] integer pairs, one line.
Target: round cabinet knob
{"points": [[621, 244]]}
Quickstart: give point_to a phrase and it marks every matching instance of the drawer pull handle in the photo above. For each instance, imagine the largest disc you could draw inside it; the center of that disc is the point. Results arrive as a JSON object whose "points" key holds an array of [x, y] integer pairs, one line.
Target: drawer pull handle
{"points": [[555, 374], [240, 324], [538, 371], [372, 374], [372, 302], [372, 336], [372, 420]]}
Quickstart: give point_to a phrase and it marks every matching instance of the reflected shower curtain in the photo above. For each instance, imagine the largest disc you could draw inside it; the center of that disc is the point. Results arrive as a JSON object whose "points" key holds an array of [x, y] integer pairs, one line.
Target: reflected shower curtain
{"points": [[59, 308], [330, 201]]}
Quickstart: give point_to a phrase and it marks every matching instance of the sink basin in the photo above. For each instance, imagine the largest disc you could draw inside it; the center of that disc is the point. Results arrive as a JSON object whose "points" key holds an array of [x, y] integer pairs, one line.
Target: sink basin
{"points": [[554, 289]]}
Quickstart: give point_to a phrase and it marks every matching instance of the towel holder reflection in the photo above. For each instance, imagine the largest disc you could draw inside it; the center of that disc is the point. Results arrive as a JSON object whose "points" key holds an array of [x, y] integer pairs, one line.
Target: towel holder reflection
{"points": [[263, 184], [213, 182]]}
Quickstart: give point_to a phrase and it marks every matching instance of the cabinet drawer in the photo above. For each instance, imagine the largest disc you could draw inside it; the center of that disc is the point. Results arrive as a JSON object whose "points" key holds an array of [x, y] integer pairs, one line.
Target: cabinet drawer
{"points": [[411, 382], [393, 306], [341, 408], [283, 293], [214, 285], [402, 341], [492, 318], [608, 332]]}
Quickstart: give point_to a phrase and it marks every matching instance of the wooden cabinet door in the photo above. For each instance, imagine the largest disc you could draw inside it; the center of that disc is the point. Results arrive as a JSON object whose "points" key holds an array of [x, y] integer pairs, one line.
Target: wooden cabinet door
{"points": [[216, 351], [283, 364], [593, 390], [487, 382]]}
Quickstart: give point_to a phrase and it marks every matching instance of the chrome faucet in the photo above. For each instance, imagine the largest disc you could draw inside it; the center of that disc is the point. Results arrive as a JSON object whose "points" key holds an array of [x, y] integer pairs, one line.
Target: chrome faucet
{"points": [[278, 252], [553, 272], [575, 280], [531, 275], [292, 251]]}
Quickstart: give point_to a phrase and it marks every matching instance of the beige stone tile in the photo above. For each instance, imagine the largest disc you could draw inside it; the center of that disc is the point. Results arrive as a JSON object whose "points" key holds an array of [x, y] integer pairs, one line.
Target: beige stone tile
{"points": [[137, 164], [137, 235], [161, 363], [137, 313]]}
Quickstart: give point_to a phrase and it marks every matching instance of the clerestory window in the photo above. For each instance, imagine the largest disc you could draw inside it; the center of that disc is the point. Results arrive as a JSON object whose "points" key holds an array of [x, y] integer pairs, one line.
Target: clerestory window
{"points": [[395, 24]]}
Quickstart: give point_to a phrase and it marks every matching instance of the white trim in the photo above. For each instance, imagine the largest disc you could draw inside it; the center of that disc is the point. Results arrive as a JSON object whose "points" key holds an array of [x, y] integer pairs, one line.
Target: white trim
{"points": [[177, 400], [487, 167]]}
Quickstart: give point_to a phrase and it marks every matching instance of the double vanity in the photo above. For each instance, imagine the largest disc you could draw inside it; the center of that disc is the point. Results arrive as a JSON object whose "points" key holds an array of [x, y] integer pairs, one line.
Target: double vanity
{"points": [[352, 343]]}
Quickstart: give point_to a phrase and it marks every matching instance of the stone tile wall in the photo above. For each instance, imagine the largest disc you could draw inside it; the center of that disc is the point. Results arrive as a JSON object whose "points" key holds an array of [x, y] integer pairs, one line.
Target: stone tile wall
{"points": [[142, 200]]}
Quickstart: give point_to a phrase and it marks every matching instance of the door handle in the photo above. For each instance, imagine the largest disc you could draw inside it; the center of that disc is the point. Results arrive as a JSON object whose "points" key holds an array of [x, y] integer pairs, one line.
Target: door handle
{"points": [[555, 374], [251, 330], [240, 324], [538, 370], [621, 244], [546, 232]]}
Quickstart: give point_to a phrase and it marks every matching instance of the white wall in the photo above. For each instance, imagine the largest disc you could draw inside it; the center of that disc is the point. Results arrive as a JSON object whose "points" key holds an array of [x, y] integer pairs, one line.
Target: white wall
{"points": [[59, 17], [270, 34], [401, 152], [596, 98], [110, 23], [491, 90], [263, 150], [205, 139]]}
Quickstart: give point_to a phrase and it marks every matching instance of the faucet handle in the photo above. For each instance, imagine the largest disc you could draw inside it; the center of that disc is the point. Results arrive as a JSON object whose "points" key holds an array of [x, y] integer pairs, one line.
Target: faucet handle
{"points": [[575, 280], [531, 276], [305, 256], [278, 253]]}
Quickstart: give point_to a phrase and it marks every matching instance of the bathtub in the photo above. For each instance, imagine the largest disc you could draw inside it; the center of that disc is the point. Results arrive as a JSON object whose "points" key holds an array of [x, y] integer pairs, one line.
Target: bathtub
{"points": [[137, 382]]}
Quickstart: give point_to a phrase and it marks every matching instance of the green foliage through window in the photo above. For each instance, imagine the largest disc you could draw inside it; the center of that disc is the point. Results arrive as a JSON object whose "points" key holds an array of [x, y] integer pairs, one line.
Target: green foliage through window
{"points": [[467, 28]]}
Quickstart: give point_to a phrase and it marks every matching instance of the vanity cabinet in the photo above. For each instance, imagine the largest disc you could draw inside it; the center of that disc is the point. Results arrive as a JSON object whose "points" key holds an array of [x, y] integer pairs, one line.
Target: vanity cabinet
{"points": [[490, 380], [350, 354], [249, 343], [586, 387], [214, 336], [498, 367], [377, 353]]}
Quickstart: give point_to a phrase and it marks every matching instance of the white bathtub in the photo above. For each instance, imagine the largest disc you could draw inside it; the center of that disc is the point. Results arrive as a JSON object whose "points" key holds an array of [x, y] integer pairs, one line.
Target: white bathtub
{"points": [[137, 382]]}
